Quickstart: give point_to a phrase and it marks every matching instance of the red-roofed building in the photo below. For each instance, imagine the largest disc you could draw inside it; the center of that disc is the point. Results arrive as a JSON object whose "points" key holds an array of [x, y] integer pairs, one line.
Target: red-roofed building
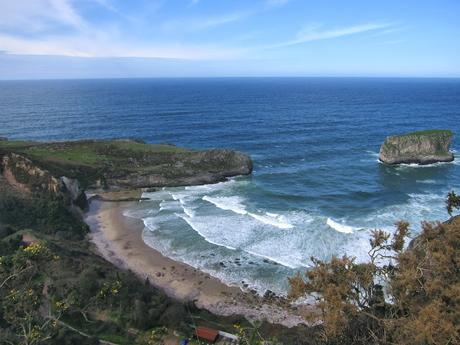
{"points": [[207, 334]]}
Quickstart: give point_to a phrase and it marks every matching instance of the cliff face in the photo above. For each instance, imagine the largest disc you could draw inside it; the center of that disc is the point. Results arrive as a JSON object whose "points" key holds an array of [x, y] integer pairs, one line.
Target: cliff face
{"points": [[419, 148], [23, 174], [181, 169]]}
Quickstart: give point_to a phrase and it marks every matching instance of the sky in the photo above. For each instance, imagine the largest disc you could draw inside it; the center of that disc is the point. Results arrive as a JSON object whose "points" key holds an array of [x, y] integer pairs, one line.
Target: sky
{"points": [[42, 39]]}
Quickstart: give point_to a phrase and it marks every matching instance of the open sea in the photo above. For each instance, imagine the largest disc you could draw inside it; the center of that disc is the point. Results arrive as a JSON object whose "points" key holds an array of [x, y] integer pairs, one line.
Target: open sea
{"points": [[317, 187]]}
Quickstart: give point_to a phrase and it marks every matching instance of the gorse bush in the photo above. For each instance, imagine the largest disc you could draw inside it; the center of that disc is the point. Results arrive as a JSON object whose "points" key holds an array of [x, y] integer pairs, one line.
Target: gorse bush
{"points": [[401, 296]]}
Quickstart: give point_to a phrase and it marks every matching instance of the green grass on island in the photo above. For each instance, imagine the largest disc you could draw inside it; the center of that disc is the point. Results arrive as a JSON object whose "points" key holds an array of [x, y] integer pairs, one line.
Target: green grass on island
{"points": [[427, 132]]}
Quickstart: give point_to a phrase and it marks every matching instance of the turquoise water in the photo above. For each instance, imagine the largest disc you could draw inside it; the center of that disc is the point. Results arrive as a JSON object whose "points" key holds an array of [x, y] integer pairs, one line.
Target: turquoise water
{"points": [[317, 187]]}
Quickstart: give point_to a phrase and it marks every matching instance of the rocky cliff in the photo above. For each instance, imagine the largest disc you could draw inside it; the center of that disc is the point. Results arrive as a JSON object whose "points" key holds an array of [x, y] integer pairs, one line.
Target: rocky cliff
{"points": [[423, 147], [21, 173], [112, 165]]}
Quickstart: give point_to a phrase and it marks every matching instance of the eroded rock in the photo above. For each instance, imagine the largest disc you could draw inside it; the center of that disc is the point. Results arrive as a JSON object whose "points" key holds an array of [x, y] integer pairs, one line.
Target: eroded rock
{"points": [[424, 147]]}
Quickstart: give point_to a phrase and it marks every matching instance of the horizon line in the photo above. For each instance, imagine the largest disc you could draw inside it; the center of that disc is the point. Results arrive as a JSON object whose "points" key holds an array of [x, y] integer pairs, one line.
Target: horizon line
{"points": [[243, 77]]}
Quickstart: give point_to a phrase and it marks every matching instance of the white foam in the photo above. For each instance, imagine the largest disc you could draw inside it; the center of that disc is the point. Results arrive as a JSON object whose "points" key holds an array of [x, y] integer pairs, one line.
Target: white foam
{"points": [[212, 187], [340, 227], [426, 181], [188, 211], [235, 204], [150, 223], [415, 165], [231, 203], [207, 239], [273, 221], [373, 154], [168, 205]]}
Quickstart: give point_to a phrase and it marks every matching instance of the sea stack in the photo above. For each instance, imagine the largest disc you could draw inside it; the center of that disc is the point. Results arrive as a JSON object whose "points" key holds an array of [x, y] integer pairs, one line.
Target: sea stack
{"points": [[423, 147]]}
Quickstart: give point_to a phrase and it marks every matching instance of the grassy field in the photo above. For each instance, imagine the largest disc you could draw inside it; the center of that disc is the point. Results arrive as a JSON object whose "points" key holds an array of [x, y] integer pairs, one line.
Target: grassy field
{"points": [[87, 152], [94, 160]]}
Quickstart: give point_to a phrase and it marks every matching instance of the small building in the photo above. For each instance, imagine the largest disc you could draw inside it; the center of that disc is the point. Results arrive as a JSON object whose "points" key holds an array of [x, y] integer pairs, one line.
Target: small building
{"points": [[207, 334]]}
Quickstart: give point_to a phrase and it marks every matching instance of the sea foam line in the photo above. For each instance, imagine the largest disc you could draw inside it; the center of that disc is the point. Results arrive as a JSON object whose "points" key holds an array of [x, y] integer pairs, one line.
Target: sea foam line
{"points": [[190, 223], [346, 229], [234, 204]]}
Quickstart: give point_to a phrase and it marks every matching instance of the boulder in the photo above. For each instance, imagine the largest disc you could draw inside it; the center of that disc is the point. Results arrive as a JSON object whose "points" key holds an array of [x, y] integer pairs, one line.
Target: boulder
{"points": [[424, 147]]}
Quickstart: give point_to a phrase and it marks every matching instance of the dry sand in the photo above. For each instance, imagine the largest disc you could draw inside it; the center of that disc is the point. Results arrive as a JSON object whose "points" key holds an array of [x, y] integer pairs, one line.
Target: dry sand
{"points": [[119, 240]]}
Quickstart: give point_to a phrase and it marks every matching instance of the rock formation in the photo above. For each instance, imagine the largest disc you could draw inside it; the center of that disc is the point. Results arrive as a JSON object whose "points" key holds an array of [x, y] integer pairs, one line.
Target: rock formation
{"points": [[67, 168], [26, 176], [424, 147]]}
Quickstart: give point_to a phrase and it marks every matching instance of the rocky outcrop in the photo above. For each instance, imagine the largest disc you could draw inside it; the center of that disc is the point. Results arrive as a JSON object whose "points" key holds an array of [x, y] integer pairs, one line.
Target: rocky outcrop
{"points": [[21, 173], [182, 169], [67, 168], [425, 147], [72, 188]]}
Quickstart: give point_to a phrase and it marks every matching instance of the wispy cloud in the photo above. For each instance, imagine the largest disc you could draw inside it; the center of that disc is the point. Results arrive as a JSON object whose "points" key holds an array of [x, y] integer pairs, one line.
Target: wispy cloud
{"points": [[104, 46], [203, 23], [37, 30], [316, 33], [40, 15]]}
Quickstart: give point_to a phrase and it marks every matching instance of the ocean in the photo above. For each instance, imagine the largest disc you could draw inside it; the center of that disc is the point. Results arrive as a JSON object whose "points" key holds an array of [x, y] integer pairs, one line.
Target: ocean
{"points": [[317, 189]]}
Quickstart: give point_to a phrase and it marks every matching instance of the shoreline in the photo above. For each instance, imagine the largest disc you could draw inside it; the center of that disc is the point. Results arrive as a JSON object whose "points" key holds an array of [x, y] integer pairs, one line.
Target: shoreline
{"points": [[118, 239]]}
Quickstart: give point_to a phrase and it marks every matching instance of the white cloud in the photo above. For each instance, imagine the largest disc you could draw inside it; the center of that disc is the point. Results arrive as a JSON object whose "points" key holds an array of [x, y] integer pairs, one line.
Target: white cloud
{"points": [[103, 46], [29, 16], [316, 33], [203, 23]]}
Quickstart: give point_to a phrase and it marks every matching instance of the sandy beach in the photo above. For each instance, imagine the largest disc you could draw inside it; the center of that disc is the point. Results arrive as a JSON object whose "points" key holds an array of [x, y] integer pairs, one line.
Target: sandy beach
{"points": [[119, 240]]}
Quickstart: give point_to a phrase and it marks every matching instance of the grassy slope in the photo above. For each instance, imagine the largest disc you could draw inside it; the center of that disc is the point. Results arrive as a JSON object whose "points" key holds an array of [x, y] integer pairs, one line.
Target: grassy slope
{"points": [[88, 160]]}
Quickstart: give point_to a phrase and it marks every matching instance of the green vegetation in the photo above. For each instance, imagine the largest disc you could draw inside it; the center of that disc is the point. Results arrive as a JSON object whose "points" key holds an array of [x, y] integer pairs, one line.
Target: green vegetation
{"points": [[90, 160], [401, 296], [428, 132], [125, 164], [57, 280], [452, 202]]}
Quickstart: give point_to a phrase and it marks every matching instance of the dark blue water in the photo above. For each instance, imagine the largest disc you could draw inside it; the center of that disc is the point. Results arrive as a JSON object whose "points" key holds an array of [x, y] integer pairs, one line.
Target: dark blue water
{"points": [[317, 188]]}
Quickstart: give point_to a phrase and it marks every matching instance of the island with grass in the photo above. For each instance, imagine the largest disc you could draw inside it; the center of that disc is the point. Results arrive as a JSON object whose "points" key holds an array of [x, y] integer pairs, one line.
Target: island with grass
{"points": [[422, 147]]}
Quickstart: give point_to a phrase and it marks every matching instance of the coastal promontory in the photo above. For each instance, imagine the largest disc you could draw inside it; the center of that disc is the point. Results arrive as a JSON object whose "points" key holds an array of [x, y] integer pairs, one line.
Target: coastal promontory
{"points": [[423, 147], [113, 165]]}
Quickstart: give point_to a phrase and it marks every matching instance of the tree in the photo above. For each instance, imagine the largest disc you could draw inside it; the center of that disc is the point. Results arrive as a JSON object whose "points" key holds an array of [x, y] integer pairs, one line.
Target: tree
{"points": [[453, 201], [400, 296]]}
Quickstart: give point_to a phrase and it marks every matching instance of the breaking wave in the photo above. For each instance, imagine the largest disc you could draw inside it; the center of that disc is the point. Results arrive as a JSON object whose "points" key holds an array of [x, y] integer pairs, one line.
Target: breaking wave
{"points": [[235, 204], [340, 227]]}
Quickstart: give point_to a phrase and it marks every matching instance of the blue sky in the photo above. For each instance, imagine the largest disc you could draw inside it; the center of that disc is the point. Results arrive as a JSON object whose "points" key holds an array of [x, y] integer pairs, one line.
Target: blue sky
{"points": [[182, 38]]}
